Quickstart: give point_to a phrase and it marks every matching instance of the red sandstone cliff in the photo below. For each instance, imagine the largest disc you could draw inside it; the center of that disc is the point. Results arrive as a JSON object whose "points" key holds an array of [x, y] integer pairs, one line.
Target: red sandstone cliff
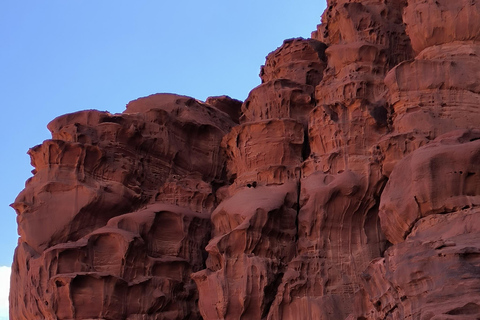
{"points": [[346, 186]]}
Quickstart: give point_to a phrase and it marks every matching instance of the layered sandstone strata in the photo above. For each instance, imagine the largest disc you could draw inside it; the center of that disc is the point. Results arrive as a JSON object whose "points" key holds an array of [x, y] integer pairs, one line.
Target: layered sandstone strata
{"points": [[346, 186], [117, 215]]}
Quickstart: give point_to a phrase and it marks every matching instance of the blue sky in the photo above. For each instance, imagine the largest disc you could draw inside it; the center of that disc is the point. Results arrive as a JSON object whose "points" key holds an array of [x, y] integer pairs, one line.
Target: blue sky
{"points": [[63, 56]]}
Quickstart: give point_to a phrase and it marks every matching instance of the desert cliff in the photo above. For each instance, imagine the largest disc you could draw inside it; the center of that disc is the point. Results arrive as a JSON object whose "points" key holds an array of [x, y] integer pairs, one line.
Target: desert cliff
{"points": [[346, 186]]}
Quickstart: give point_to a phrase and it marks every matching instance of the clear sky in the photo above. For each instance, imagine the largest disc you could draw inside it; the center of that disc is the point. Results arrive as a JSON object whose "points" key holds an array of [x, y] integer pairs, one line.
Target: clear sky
{"points": [[61, 56]]}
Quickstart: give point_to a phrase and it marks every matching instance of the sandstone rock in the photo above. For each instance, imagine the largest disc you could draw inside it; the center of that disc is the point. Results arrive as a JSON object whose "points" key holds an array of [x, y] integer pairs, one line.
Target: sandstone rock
{"points": [[279, 99], [130, 268], [438, 91], [352, 114], [253, 239], [265, 152], [438, 22], [92, 257], [230, 106], [299, 60], [346, 186], [432, 219], [438, 178], [343, 138], [289, 77], [429, 276], [373, 22], [338, 234]]}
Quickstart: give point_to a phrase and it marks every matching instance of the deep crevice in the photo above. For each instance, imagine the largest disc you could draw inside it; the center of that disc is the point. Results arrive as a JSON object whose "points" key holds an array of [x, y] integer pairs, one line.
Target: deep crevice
{"points": [[270, 292], [374, 218], [306, 145]]}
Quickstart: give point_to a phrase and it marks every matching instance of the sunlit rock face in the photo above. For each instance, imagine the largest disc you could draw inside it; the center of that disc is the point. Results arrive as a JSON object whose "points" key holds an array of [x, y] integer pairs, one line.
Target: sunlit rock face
{"points": [[346, 186]]}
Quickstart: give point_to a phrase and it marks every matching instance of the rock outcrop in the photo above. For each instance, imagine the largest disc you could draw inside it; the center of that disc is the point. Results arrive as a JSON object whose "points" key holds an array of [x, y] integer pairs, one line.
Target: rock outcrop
{"points": [[117, 215], [346, 186]]}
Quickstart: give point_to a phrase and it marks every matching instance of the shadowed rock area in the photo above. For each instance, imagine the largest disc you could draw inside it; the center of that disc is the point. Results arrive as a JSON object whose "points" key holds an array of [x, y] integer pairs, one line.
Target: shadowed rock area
{"points": [[346, 186]]}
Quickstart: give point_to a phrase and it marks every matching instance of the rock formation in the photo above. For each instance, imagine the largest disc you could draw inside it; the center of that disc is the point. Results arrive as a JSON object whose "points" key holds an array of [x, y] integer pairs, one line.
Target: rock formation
{"points": [[346, 186]]}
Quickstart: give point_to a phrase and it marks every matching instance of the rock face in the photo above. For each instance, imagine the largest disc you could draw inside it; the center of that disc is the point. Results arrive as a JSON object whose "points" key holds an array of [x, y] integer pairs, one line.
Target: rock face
{"points": [[117, 215], [346, 186]]}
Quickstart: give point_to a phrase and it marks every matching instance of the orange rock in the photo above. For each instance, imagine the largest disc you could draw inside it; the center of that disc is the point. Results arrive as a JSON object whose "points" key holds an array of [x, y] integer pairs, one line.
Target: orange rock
{"points": [[98, 252], [346, 186], [264, 152], [431, 274], [253, 239], [440, 177], [299, 60], [279, 98], [435, 22]]}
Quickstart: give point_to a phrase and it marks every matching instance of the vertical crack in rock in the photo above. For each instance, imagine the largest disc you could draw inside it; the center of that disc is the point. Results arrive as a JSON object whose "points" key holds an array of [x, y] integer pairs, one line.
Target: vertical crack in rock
{"points": [[306, 145]]}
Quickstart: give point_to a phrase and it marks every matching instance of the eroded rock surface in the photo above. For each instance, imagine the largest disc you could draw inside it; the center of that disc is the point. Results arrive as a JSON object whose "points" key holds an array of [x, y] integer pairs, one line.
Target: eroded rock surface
{"points": [[117, 215], [346, 186]]}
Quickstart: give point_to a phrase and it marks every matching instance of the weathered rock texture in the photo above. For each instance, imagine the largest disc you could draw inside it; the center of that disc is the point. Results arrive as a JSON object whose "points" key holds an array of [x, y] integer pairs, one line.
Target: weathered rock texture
{"points": [[346, 186]]}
